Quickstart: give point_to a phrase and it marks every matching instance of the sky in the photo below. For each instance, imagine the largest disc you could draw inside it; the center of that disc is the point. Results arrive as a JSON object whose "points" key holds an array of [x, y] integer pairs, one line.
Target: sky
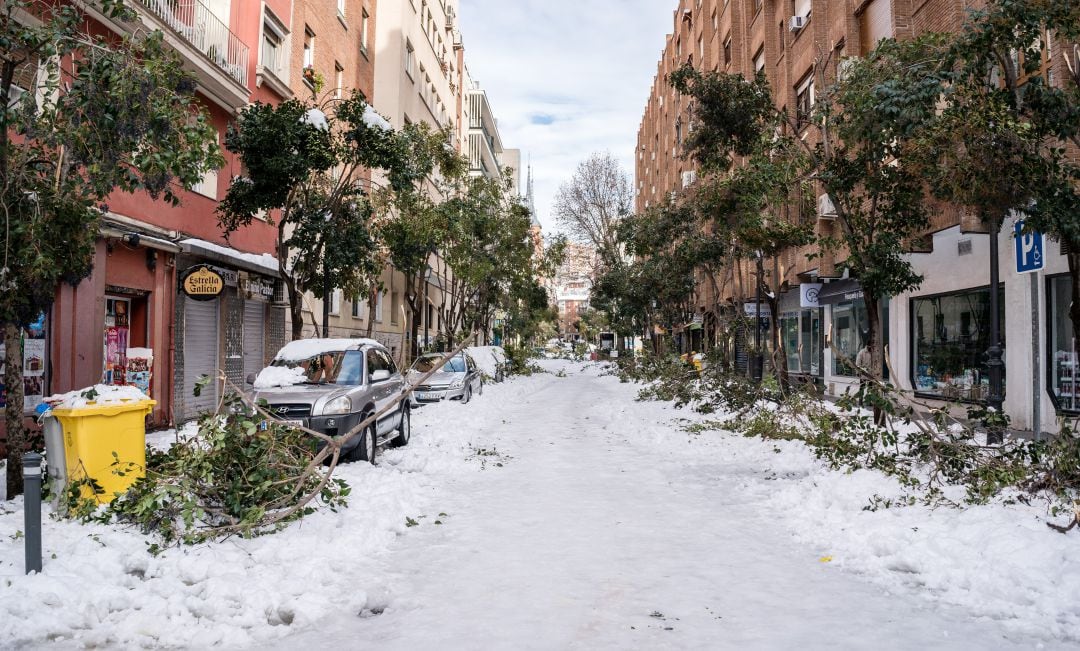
{"points": [[565, 78]]}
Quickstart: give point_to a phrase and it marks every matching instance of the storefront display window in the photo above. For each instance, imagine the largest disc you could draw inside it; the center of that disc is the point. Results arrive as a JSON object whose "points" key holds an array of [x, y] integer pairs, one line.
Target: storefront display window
{"points": [[801, 333], [849, 325], [950, 335], [1065, 374]]}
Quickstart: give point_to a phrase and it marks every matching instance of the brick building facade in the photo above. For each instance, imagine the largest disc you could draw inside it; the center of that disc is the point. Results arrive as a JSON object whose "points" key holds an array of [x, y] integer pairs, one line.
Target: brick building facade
{"points": [[936, 334]]}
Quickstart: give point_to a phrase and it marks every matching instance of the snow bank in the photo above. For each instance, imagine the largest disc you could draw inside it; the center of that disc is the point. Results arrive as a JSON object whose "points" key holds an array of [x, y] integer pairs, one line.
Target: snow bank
{"points": [[280, 376], [302, 349], [487, 358], [316, 118], [107, 394]]}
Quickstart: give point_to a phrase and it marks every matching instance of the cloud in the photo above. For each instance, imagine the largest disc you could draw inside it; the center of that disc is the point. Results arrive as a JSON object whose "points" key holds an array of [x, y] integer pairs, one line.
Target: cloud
{"points": [[565, 77]]}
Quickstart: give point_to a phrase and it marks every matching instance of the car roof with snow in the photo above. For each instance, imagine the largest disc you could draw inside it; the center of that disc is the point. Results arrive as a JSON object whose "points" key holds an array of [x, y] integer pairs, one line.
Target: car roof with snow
{"points": [[302, 349]]}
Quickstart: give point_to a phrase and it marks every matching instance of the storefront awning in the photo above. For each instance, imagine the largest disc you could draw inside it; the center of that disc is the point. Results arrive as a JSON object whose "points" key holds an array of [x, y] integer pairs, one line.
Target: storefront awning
{"points": [[260, 263], [840, 291]]}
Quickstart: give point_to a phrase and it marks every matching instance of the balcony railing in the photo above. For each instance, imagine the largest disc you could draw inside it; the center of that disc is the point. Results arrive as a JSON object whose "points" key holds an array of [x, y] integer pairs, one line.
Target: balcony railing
{"points": [[197, 25]]}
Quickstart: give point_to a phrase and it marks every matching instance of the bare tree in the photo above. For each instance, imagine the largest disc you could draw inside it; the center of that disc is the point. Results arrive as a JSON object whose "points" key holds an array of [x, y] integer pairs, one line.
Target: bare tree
{"points": [[592, 202]]}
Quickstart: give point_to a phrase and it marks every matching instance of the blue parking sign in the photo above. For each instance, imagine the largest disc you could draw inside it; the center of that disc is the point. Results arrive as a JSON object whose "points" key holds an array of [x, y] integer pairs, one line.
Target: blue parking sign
{"points": [[1029, 249]]}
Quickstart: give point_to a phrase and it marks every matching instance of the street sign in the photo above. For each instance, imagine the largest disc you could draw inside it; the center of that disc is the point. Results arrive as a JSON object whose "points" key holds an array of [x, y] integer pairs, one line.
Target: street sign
{"points": [[752, 308], [1029, 249]]}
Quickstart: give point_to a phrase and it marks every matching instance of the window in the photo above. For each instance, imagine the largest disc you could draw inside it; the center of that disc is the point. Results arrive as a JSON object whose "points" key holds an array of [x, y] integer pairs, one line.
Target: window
{"points": [[339, 80], [849, 334], [950, 335], [359, 307], [410, 59], [1064, 366], [727, 50], [375, 362], [335, 302], [803, 7], [378, 306], [756, 6], [309, 48], [804, 99], [341, 8], [759, 60], [364, 19], [273, 50], [802, 336], [395, 307]]}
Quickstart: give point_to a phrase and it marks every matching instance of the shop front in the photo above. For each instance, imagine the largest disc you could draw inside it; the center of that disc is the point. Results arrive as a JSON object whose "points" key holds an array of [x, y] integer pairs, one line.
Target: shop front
{"points": [[1063, 366], [114, 327], [228, 323], [801, 333], [847, 327]]}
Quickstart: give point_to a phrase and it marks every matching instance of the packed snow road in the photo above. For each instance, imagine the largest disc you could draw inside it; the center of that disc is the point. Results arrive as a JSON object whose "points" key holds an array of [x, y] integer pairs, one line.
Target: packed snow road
{"points": [[605, 526], [555, 512]]}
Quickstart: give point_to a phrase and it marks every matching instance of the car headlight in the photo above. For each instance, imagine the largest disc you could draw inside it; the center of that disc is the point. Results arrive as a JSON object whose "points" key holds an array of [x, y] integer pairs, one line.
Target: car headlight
{"points": [[340, 405], [457, 384]]}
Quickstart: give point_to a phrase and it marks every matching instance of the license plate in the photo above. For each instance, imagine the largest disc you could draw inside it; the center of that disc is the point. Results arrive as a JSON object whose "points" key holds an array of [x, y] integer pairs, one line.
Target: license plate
{"points": [[427, 396], [297, 423]]}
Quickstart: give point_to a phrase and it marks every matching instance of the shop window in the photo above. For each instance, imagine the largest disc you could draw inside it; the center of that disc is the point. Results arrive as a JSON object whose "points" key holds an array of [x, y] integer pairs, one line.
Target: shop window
{"points": [[950, 335], [849, 335], [1063, 367], [801, 332]]}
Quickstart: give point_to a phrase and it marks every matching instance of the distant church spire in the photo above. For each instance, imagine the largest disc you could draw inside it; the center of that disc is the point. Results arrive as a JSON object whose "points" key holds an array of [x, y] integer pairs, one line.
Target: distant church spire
{"points": [[530, 195]]}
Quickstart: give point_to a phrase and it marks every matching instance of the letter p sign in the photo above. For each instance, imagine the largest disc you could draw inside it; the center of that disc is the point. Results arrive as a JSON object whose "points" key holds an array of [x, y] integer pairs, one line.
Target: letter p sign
{"points": [[1029, 249]]}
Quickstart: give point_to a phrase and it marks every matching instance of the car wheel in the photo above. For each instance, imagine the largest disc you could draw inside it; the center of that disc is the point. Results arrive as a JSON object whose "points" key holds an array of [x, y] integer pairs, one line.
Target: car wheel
{"points": [[404, 430], [365, 450]]}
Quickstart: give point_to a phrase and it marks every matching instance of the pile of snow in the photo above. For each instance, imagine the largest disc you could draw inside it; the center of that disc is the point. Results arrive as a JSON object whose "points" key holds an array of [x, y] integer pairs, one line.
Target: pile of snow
{"points": [[376, 121], [107, 394], [316, 118], [301, 349], [280, 376], [487, 358]]}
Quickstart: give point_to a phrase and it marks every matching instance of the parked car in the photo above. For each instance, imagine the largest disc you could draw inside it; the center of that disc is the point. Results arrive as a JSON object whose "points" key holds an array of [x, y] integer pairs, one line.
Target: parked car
{"points": [[458, 379], [332, 385]]}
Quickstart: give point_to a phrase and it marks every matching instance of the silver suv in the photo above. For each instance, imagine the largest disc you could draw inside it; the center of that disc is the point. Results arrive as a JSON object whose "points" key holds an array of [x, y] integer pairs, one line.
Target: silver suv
{"points": [[331, 385]]}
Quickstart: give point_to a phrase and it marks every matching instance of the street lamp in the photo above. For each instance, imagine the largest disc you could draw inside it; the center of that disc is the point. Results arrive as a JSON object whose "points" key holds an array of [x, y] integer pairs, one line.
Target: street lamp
{"points": [[759, 359], [994, 363]]}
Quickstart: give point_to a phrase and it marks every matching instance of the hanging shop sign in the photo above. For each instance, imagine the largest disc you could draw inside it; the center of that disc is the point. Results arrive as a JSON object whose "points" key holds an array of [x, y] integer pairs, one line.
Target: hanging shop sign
{"points": [[202, 283], [257, 287], [808, 294]]}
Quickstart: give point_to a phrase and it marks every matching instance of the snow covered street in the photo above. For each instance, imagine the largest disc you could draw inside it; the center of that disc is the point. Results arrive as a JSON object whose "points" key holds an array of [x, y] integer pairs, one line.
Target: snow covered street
{"points": [[556, 512]]}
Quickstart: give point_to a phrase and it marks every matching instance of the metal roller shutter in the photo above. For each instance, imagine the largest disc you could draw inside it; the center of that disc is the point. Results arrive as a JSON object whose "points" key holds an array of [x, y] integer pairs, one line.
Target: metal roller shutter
{"points": [[201, 336], [254, 336]]}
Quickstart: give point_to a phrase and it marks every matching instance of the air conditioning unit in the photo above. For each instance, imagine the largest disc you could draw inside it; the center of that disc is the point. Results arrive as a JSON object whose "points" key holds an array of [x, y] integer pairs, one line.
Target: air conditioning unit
{"points": [[688, 178], [795, 23], [825, 207]]}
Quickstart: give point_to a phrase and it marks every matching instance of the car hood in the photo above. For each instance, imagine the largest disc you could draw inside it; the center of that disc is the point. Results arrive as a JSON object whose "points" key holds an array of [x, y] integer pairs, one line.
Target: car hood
{"points": [[302, 393], [442, 378]]}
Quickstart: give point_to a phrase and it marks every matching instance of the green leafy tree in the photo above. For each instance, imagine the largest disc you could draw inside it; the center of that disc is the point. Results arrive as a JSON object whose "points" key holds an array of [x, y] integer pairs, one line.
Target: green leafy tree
{"points": [[1001, 146], [123, 119], [307, 167]]}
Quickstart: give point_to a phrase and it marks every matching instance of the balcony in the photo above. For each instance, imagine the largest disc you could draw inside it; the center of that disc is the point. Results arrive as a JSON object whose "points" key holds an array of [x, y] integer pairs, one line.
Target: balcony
{"points": [[199, 28]]}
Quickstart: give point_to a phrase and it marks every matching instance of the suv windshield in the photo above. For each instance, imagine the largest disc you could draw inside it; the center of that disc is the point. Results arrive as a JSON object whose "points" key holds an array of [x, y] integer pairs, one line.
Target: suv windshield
{"points": [[335, 367], [425, 364]]}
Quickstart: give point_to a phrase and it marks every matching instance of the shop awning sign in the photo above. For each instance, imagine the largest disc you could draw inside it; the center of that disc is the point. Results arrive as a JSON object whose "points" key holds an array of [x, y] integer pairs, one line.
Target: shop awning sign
{"points": [[202, 283], [808, 294], [1029, 249]]}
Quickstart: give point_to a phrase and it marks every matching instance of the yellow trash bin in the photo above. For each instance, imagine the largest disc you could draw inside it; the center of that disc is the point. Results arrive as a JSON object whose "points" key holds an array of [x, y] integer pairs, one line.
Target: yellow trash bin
{"points": [[103, 441]]}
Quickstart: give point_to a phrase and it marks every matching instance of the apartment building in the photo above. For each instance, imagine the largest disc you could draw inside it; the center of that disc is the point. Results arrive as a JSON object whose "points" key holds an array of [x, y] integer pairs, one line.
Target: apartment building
{"points": [[131, 321], [936, 334]]}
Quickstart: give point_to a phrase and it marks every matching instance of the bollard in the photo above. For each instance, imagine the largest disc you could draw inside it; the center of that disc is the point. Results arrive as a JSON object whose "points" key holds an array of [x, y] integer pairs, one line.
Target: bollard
{"points": [[32, 510]]}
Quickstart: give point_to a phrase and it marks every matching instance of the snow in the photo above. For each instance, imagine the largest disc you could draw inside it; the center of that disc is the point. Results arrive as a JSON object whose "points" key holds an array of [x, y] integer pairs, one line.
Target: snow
{"points": [[107, 394], [376, 121], [264, 261], [302, 349], [316, 118], [487, 358], [280, 376], [570, 516]]}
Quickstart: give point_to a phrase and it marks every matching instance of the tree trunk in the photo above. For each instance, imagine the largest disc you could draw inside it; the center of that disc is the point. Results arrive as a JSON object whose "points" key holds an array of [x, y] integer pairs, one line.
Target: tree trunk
{"points": [[373, 298], [13, 412], [877, 350]]}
